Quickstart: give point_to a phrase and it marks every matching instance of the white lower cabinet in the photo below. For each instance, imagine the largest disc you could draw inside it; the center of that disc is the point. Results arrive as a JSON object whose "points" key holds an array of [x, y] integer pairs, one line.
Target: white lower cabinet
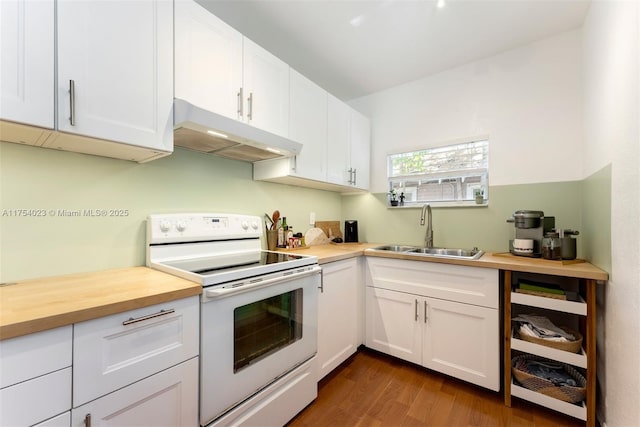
{"points": [[168, 398], [35, 377], [62, 420], [460, 340], [448, 336], [338, 313], [114, 351], [392, 325]]}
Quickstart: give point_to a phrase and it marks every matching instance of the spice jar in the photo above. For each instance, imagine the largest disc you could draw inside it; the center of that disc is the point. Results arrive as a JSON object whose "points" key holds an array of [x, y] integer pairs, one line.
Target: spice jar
{"points": [[551, 246]]}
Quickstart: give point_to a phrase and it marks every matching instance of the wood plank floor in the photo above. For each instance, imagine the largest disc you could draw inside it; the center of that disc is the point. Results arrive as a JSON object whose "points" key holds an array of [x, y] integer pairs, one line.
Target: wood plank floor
{"points": [[372, 389]]}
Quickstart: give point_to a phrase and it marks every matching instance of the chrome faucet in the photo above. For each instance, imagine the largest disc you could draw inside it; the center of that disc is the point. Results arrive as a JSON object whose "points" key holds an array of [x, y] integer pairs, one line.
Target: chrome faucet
{"points": [[428, 238]]}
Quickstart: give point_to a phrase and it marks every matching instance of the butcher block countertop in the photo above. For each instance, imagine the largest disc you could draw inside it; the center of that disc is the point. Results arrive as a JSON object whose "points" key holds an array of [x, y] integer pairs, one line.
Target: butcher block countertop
{"points": [[506, 261], [40, 304], [333, 252]]}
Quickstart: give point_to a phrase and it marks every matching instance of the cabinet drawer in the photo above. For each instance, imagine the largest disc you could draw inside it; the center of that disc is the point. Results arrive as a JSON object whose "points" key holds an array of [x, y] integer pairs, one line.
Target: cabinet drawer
{"points": [[168, 398], [62, 420], [470, 285], [114, 351], [36, 400], [33, 355]]}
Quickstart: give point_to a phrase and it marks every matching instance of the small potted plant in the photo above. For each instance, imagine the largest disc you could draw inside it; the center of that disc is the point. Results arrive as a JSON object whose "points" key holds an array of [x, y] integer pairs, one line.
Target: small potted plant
{"points": [[479, 193], [393, 197]]}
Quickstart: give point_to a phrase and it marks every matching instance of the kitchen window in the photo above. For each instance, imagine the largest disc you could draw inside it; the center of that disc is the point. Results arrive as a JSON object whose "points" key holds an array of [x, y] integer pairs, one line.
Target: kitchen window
{"points": [[451, 175]]}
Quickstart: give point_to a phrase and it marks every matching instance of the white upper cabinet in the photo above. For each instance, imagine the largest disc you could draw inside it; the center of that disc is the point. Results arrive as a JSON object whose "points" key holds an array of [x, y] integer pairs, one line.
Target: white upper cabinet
{"points": [[27, 62], [115, 73], [208, 60], [308, 125], [265, 89], [359, 150], [220, 70], [348, 145], [338, 137]]}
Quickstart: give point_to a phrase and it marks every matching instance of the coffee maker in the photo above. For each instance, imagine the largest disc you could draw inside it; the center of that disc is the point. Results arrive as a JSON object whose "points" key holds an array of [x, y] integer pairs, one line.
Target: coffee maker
{"points": [[351, 231], [530, 226]]}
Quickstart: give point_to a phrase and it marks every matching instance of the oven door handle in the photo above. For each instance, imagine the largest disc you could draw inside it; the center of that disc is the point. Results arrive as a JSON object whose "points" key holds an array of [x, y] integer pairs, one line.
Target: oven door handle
{"points": [[224, 292]]}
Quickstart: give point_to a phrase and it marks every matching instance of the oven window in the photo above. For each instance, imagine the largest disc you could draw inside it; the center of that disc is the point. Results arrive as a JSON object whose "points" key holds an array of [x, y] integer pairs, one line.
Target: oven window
{"points": [[264, 327]]}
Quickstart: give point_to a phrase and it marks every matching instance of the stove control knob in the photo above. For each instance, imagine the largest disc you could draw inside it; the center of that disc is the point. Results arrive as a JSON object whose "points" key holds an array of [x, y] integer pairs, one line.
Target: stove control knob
{"points": [[165, 226], [181, 226], [244, 225], [254, 225]]}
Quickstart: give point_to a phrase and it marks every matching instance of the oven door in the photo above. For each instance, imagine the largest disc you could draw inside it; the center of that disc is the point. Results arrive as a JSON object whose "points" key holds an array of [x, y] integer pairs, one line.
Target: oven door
{"points": [[253, 334]]}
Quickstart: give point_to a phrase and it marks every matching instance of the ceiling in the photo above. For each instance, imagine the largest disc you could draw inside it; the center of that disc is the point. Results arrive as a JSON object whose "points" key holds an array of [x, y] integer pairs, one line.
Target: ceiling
{"points": [[354, 48]]}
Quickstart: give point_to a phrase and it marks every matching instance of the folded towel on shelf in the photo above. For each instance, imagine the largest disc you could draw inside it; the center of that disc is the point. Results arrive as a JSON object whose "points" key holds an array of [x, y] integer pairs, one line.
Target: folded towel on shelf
{"points": [[542, 327], [527, 329]]}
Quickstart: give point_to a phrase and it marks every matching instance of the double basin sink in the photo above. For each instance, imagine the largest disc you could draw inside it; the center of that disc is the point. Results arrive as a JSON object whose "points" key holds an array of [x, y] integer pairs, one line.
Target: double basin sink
{"points": [[454, 253]]}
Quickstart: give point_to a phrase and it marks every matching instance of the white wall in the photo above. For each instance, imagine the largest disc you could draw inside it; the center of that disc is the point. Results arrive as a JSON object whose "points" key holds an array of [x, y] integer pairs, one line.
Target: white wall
{"points": [[528, 100], [611, 120]]}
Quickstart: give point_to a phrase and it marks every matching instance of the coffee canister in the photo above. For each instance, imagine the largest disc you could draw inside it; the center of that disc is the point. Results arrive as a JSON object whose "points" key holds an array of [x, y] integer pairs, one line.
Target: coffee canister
{"points": [[568, 243], [551, 246]]}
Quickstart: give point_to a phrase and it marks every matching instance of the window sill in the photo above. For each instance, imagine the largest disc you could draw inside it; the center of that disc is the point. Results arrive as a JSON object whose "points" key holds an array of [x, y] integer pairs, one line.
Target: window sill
{"points": [[461, 204]]}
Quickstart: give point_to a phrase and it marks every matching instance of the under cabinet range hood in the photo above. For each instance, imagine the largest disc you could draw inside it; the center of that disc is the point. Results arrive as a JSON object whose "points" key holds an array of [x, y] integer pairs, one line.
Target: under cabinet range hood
{"points": [[209, 132]]}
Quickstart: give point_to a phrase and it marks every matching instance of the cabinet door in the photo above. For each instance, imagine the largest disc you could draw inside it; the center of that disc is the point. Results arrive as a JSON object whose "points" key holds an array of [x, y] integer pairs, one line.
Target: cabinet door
{"points": [[168, 398], [360, 149], [114, 351], [393, 323], [338, 315], [266, 89], [338, 137], [208, 60], [26, 65], [119, 56], [308, 125], [463, 341]]}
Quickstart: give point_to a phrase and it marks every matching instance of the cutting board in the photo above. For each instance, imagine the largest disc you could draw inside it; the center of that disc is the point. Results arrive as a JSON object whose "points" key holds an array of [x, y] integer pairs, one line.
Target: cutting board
{"points": [[334, 226]]}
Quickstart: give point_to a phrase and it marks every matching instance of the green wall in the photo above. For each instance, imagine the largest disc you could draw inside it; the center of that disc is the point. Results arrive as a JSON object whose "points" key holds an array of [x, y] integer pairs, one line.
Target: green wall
{"points": [[44, 179], [49, 180], [596, 208], [483, 226]]}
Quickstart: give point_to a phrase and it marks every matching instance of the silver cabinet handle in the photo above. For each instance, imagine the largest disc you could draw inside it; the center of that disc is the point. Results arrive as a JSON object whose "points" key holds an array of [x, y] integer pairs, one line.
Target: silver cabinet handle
{"points": [[355, 176], [148, 316], [425, 312], [72, 102], [416, 310], [240, 103], [250, 106], [321, 281], [87, 420]]}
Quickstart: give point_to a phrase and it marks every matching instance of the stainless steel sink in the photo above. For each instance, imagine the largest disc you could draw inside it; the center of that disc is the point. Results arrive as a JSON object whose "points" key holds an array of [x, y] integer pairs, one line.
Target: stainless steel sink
{"points": [[458, 253], [395, 248], [474, 253]]}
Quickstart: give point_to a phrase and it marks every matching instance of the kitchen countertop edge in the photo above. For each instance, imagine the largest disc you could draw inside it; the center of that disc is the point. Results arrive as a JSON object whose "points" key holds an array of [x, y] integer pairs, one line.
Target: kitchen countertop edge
{"points": [[582, 270], [42, 304]]}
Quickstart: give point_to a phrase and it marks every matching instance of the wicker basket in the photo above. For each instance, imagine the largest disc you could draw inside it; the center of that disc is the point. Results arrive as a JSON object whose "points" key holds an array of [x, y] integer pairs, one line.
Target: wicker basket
{"points": [[570, 346], [546, 387]]}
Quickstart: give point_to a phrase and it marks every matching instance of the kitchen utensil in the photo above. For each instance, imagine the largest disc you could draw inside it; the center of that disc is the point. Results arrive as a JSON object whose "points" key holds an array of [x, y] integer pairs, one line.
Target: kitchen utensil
{"points": [[331, 228], [275, 218], [270, 221]]}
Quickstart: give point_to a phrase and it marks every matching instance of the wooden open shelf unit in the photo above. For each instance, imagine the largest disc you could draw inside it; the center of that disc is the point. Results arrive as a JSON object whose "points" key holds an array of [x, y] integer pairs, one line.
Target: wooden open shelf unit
{"points": [[585, 360]]}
